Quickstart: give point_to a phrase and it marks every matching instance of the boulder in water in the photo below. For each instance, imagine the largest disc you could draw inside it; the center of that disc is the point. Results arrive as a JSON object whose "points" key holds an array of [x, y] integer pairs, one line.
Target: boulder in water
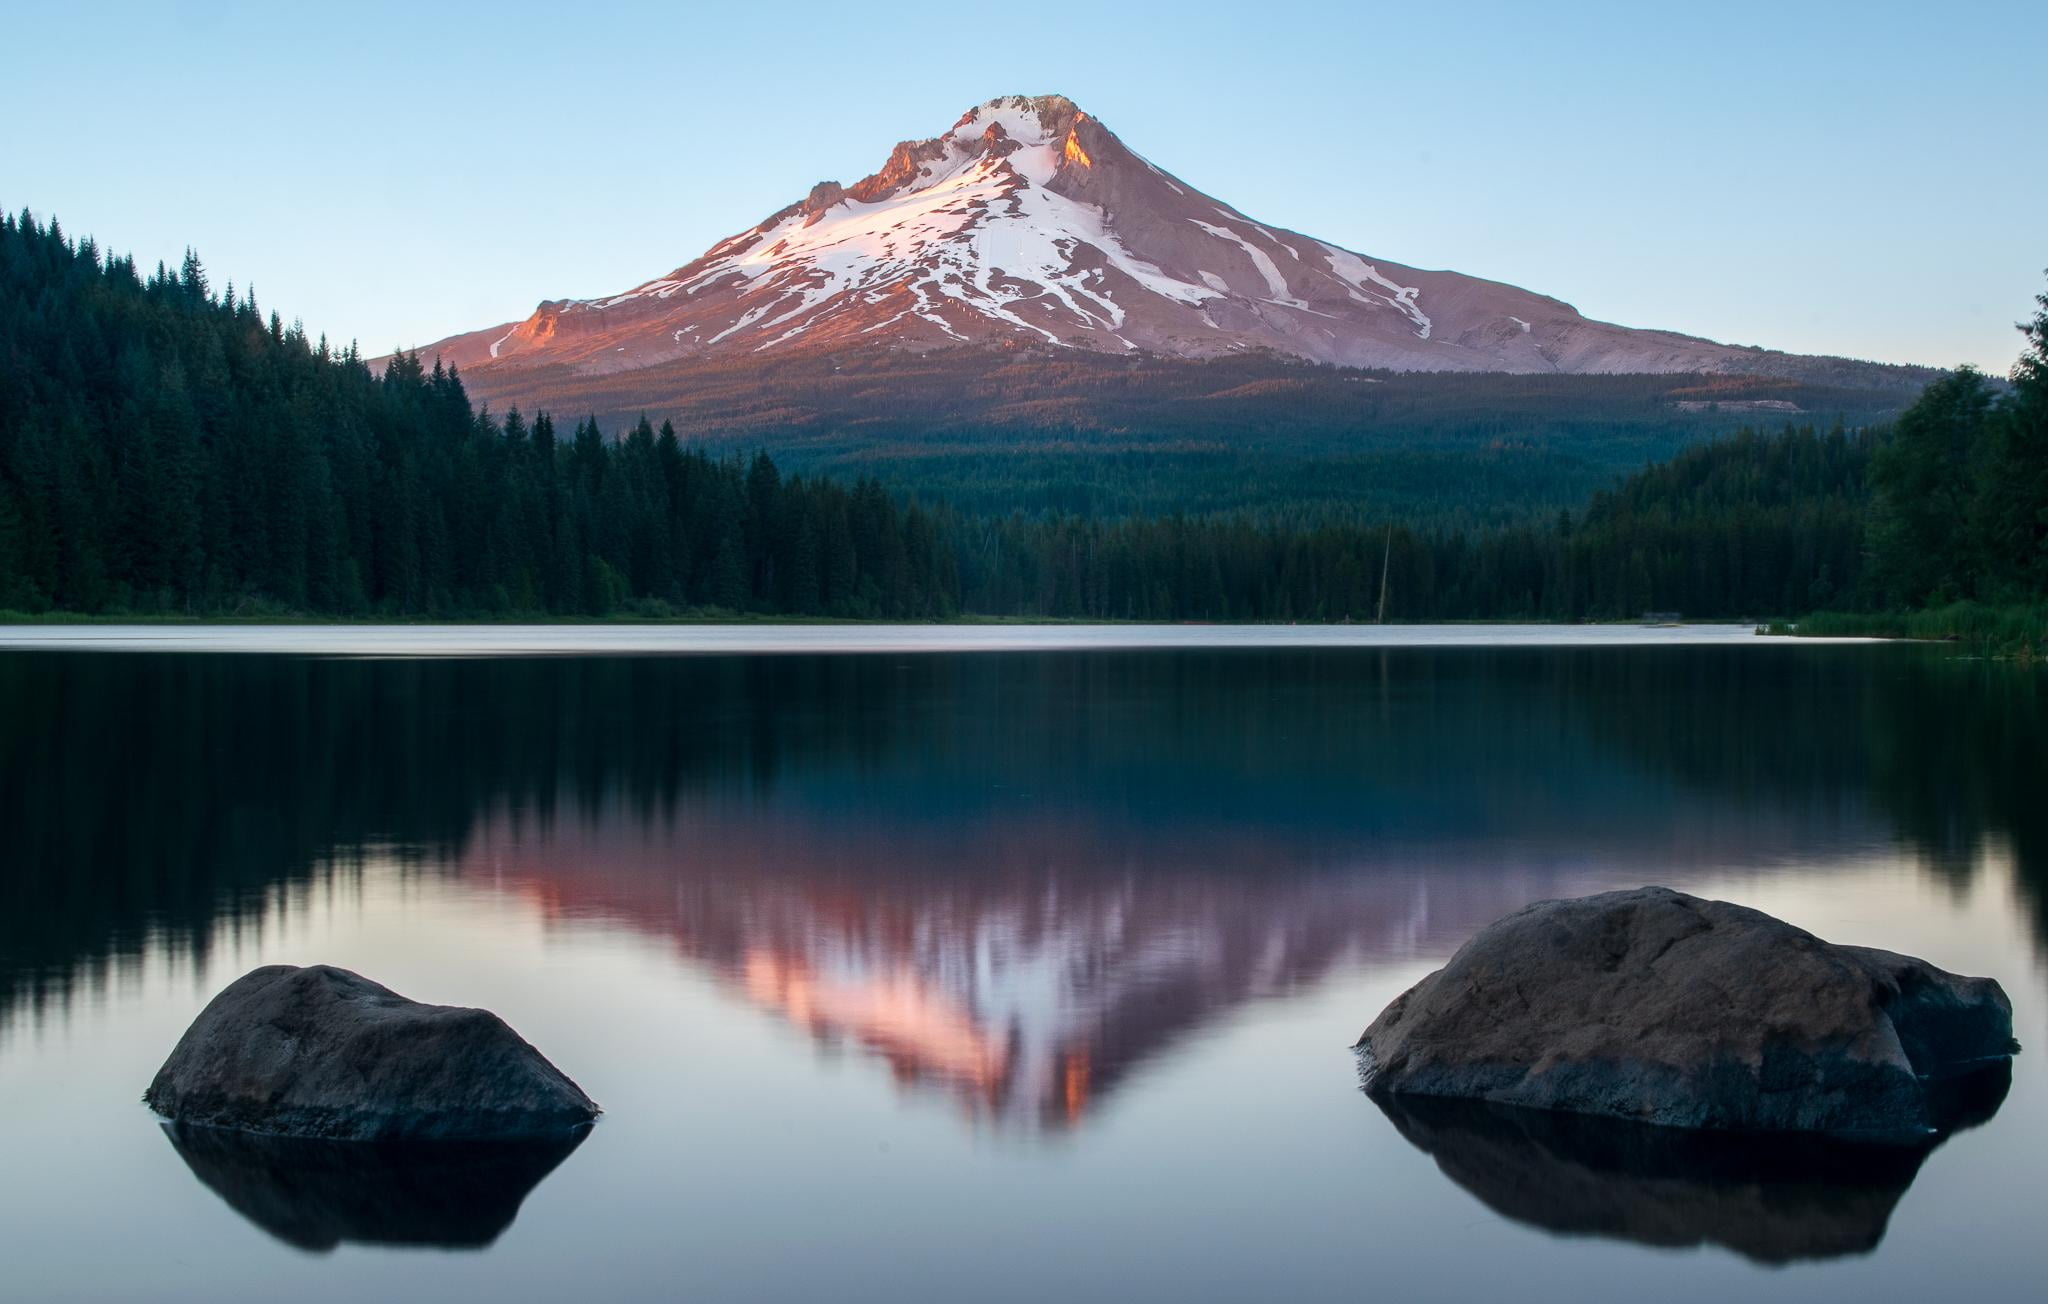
{"points": [[1663, 1008], [323, 1052]]}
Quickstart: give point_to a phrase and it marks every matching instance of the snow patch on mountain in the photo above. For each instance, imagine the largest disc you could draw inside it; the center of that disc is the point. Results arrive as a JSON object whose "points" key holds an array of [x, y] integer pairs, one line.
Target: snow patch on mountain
{"points": [[978, 226], [1029, 221], [1357, 274], [1276, 284]]}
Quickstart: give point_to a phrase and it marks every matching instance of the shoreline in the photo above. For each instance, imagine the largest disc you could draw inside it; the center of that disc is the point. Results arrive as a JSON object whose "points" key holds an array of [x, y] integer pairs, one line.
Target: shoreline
{"points": [[760, 638], [59, 620]]}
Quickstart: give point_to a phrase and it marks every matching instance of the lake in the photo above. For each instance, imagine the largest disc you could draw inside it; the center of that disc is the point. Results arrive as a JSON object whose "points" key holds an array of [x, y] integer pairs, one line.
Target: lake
{"points": [[991, 963]]}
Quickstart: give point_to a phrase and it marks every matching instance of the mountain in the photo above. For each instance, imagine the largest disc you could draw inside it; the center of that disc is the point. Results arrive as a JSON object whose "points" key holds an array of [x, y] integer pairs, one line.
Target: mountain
{"points": [[1029, 223]]}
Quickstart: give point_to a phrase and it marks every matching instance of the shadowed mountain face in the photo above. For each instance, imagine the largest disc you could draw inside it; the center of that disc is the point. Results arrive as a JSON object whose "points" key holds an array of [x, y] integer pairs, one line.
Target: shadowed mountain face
{"points": [[315, 1195], [1774, 1199], [1029, 224]]}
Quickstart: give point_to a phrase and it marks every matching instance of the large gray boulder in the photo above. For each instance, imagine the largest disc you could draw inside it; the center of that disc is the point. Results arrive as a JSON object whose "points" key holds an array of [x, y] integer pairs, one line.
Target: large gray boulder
{"points": [[322, 1052], [1664, 1008]]}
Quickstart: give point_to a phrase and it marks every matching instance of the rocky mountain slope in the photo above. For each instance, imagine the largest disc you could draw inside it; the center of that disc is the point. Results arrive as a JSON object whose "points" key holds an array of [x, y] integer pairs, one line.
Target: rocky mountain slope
{"points": [[1030, 223]]}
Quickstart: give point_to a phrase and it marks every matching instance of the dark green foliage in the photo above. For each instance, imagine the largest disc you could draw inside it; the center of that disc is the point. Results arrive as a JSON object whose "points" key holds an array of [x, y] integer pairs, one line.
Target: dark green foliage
{"points": [[166, 450], [1043, 429], [1961, 504], [2011, 511], [1924, 477], [2016, 630], [1748, 525]]}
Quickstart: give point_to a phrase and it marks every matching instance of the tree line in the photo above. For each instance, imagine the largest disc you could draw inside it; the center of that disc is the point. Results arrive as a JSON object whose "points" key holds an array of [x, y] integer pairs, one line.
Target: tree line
{"points": [[990, 429], [168, 449], [1960, 504], [1750, 525]]}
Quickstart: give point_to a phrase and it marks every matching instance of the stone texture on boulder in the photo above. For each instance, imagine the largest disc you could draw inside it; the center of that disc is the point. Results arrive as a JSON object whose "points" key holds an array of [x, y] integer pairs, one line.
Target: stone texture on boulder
{"points": [[1664, 1008], [322, 1052]]}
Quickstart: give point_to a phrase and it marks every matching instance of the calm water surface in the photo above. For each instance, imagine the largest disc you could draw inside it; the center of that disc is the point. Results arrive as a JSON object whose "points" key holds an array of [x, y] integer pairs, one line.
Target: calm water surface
{"points": [[1013, 973]]}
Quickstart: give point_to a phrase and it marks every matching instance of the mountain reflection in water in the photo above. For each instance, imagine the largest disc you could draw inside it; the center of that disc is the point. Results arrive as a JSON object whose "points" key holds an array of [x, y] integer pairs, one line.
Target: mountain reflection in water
{"points": [[1010, 877], [1003, 976], [1026, 966]]}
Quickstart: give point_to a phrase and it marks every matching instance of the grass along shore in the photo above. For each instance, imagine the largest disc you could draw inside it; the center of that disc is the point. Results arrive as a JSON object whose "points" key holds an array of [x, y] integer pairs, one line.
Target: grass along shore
{"points": [[2019, 631]]}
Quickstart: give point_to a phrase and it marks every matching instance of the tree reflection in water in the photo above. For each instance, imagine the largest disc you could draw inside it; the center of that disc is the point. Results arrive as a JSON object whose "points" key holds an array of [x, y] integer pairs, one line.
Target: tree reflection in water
{"points": [[1012, 877]]}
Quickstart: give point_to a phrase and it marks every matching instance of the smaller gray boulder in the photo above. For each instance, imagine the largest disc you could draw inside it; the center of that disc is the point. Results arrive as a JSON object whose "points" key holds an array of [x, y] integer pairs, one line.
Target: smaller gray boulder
{"points": [[323, 1052], [1664, 1008]]}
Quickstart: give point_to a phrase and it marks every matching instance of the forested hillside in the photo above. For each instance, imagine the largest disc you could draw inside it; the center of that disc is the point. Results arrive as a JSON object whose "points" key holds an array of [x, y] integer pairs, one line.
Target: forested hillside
{"points": [[990, 430], [1754, 524], [1961, 508], [1958, 519], [168, 449]]}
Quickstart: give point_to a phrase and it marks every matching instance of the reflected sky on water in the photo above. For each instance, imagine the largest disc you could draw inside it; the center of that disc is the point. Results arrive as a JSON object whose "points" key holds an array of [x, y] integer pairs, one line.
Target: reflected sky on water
{"points": [[992, 975]]}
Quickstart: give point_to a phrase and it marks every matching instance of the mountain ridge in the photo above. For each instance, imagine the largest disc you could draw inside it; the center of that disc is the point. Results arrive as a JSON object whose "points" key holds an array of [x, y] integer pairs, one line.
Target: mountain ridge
{"points": [[1030, 222]]}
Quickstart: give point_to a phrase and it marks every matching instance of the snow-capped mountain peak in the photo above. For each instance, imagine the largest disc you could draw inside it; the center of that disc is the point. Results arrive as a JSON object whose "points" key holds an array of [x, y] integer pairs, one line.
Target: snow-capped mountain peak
{"points": [[970, 224], [1030, 221]]}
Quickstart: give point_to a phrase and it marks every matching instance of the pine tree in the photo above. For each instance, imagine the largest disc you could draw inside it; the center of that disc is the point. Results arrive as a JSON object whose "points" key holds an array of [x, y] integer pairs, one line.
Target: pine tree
{"points": [[2012, 489], [1924, 479]]}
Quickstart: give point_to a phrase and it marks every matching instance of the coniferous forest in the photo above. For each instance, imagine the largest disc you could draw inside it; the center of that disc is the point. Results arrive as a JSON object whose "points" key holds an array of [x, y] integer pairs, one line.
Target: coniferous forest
{"points": [[168, 448]]}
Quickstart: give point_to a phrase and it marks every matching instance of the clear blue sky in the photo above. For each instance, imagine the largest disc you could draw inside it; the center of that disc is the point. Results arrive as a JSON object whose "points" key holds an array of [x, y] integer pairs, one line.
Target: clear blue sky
{"points": [[1860, 178]]}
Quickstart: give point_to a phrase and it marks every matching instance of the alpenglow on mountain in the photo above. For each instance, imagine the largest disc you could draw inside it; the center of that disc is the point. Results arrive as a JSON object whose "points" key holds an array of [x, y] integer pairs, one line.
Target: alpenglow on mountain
{"points": [[1029, 221]]}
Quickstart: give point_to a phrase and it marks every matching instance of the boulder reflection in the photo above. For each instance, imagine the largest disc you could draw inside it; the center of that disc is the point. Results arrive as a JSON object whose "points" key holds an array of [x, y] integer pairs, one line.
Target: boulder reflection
{"points": [[317, 1194], [1771, 1199]]}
